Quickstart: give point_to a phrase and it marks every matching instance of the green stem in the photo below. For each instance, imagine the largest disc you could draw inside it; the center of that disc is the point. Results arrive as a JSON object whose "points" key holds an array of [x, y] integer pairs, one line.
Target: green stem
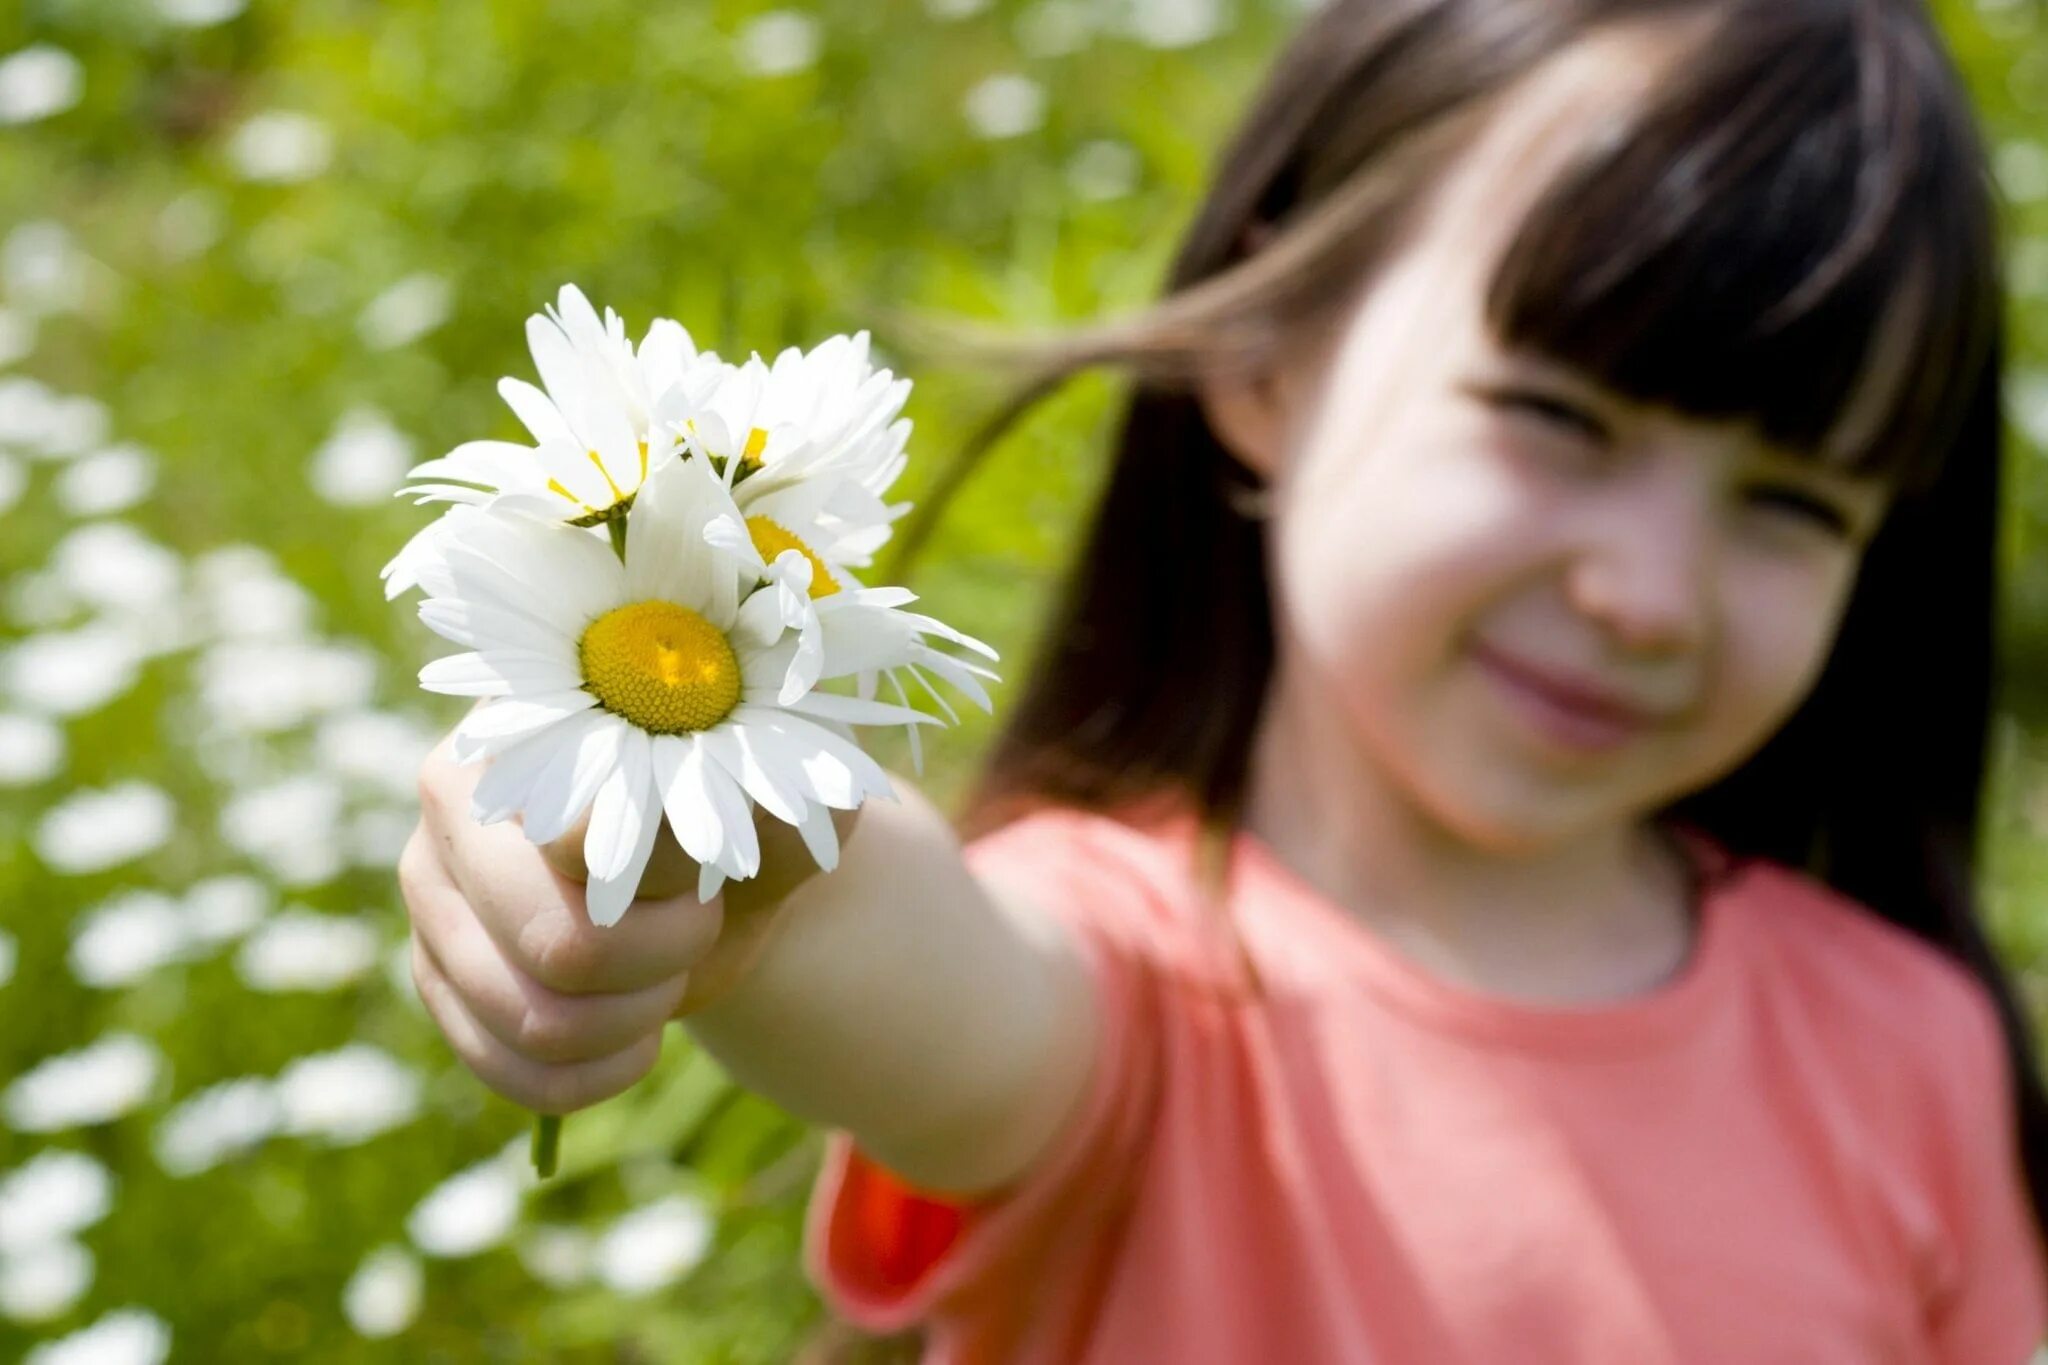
{"points": [[547, 1143], [617, 526]]}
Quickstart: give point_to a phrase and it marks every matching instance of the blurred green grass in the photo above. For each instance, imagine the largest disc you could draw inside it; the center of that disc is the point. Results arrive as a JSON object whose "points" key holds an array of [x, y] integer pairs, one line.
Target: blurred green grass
{"points": [[488, 152]]}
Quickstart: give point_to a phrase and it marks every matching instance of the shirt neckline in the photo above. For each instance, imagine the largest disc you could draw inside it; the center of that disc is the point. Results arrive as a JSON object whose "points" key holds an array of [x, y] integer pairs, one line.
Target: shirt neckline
{"points": [[1633, 1023]]}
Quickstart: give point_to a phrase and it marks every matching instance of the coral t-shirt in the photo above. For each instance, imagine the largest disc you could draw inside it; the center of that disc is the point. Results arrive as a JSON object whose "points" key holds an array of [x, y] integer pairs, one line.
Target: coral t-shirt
{"points": [[1798, 1150]]}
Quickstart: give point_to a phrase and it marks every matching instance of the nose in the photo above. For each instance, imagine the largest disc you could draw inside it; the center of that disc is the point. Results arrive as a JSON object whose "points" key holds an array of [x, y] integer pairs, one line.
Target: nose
{"points": [[1645, 570]]}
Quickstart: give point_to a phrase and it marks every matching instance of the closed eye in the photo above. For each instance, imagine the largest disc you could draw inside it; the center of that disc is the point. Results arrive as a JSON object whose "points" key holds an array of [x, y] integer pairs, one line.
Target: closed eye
{"points": [[1805, 505], [1557, 411]]}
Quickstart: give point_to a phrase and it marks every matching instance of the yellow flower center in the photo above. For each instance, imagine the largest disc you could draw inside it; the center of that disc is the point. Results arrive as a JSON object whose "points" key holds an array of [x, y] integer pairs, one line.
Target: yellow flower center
{"points": [[661, 666], [771, 539]]}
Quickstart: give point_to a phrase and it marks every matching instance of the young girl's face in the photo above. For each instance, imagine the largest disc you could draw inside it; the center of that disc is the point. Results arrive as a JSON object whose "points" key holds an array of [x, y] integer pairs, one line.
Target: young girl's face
{"points": [[1441, 506]]}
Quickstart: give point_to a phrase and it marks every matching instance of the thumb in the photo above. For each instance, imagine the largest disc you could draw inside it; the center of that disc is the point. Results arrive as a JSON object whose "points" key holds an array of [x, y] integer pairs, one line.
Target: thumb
{"points": [[670, 871]]}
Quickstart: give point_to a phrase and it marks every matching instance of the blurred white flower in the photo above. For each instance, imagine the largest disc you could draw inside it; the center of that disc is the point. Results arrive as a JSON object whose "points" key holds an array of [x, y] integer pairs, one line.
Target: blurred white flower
{"points": [[653, 1247], [375, 837], [71, 672], [363, 461], [405, 312], [189, 225], [242, 594], [55, 1194], [1005, 105], [292, 827], [17, 335], [198, 13], [281, 146], [42, 268], [1103, 169], [380, 749], [471, 1211], [264, 686], [93, 829], [31, 749], [37, 82], [13, 481], [117, 569], [559, 1255], [217, 1123], [779, 42], [383, 1297], [94, 1084], [1176, 23], [110, 480], [2029, 268], [2027, 403], [128, 937], [126, 1336], [222, 908], [1053, 28], [2021, 166], [43, 423], [9, 951], [304, 950], [349, 1095], [44, 1281], [954, 9]]}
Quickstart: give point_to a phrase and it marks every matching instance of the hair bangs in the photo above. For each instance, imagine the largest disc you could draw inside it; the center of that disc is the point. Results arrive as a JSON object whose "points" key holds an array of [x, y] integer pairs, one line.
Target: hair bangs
{"points": [[1788, 233]]}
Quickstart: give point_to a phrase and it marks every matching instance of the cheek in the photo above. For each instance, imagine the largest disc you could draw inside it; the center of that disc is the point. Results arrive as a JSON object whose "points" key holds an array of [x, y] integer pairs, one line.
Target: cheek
{"points": [[1778, 624]]}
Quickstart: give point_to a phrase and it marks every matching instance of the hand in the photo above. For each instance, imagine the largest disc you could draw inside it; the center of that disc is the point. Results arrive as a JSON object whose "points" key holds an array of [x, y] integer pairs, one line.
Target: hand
{"points": [[547, 1009]]}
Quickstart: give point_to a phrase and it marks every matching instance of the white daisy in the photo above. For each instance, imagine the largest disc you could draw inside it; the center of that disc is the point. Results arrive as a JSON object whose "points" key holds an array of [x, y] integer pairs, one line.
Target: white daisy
{"points": [[595, 426], [639, 688]]}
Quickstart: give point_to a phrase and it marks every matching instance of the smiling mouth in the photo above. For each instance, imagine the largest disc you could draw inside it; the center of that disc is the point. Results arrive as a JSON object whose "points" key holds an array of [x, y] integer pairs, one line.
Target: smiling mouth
{"points": [[1565, 719]]}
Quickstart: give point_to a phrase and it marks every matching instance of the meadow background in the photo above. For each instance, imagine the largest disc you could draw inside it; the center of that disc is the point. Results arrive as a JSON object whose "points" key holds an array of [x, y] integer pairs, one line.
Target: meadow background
{"points": [[258, 258]]}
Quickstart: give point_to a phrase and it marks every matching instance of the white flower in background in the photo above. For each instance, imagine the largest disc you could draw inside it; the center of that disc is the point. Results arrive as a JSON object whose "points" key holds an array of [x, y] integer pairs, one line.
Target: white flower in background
{"points": [[637, 688], [45, 424], [110, 480], [128, 937], [405, 312], [954, 9], [240, 593], [601, 427], [1176, 23], [383, 1297], [13, 482], [55, 1194], [198, 13], [2021, 168], [217, 1124], [653, 1247], [95, 1084], [71, 672], [1007, 104], [471, 1211], [43, 269], [1054, 28], [31, 749], [347, 1096], [1103, 169], [280, 146], [2027, 404], [304, 950], [189, 224], [265, 686], [17, 335], [222, 908], [363, 461], [126, 1336], [559, 1255], [381, 750], [376, 837], [291, 827], [45, 1281], [778, 43], [37, 82], [94, 829], [116, 569], [9, 952]]}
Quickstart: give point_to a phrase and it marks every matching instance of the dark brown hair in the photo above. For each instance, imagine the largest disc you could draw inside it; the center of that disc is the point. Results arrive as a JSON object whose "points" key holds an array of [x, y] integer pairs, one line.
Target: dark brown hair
{"points": [[1808, 174]]}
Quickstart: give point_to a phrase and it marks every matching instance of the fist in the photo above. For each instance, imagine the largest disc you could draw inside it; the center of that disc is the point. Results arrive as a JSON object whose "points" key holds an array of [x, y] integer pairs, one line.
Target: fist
{"points": [[546, 1008]]}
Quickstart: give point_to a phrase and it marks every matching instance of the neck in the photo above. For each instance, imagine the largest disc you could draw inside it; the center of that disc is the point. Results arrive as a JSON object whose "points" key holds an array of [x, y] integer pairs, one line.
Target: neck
{"points": [[1600, 915]]}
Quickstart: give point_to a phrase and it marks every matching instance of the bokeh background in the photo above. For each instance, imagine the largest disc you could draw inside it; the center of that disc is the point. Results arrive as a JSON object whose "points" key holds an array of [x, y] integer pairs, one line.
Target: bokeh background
{"points": [[258, 258]]}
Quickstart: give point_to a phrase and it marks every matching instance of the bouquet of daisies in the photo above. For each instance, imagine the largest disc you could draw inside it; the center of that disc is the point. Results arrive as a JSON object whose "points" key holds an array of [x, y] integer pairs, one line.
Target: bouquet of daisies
{"points": [[652, 596]]}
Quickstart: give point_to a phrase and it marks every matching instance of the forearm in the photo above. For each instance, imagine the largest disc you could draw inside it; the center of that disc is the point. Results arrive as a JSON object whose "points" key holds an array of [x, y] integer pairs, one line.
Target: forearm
{"points": [[897, 998]]}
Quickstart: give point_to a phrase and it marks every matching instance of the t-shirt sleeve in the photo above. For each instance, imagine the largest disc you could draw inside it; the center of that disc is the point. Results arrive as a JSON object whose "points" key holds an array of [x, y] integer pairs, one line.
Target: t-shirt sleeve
{"points": [[1990, 1303], [885, 1255]]}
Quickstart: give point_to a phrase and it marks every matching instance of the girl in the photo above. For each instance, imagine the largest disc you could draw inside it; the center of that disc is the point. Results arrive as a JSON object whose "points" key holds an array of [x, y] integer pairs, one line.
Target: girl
{"points": [[1481, 871]]}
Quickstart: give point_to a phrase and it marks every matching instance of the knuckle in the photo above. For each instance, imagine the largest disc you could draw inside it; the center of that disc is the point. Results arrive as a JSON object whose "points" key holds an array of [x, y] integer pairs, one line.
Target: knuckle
{"points": [[560, 957], [552, 1030]]}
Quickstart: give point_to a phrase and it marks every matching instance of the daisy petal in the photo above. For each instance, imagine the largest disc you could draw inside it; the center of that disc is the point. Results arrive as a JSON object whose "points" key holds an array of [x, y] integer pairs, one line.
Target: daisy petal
{"points": [[564, 791], [508, 781], [732, 747], [536, 411], [492, 729], [678, 762], [623, 822], [820, 837], [854, 711]]}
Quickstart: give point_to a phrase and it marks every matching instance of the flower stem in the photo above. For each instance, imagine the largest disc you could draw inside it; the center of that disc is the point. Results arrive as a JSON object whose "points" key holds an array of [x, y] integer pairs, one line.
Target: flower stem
{"points": [[547, 1143]]}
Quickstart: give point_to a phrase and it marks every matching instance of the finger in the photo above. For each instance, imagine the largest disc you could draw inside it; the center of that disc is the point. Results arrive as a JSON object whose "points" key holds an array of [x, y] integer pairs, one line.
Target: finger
{"points": [[539, 917], [542, 1087], [533, 1021]]}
